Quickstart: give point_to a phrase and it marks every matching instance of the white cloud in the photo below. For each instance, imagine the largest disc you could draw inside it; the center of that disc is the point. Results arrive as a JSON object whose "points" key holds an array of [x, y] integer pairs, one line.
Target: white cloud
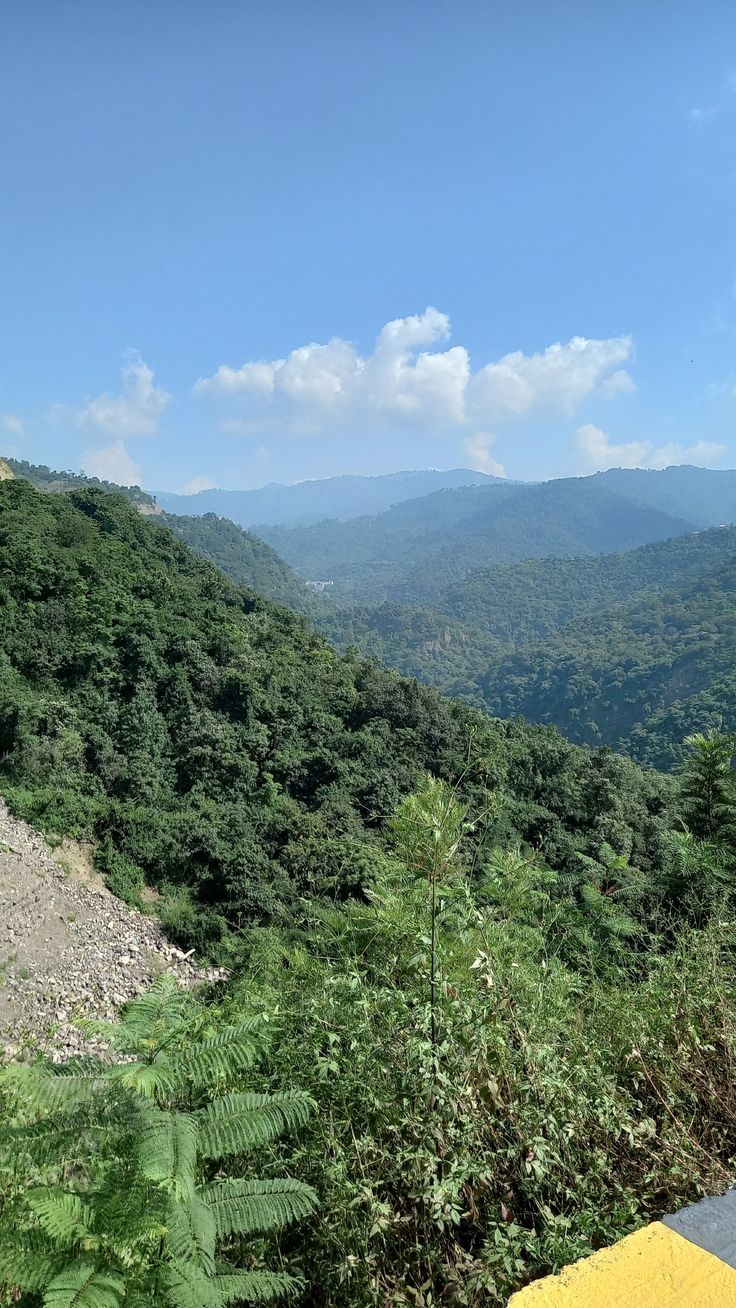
{"points": [[600, 452], [477, 451], [196, 485], [556, 380], [700, 116], [10, 422], [405, 382], [112, 463], [135, 412], [619, 383], [262, 455]]}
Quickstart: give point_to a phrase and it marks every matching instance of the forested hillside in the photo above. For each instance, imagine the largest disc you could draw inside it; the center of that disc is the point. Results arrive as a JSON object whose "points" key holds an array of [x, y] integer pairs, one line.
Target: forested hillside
{"points": [[213, 745], [705, 496], [630, 650], [243, 557], [638, 678], [311, 501], [537, 596], [49, 479], [415, 550]]}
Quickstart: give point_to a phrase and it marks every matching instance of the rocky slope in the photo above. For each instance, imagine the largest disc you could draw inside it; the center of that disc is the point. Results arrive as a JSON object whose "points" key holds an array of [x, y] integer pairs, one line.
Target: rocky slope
{"points": [[68, 947]]}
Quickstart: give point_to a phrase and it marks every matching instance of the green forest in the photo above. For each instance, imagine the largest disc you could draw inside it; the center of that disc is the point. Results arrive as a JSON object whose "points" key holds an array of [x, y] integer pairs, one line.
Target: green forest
{"points": [[631, 650], [480, 1015], [413, 551]]}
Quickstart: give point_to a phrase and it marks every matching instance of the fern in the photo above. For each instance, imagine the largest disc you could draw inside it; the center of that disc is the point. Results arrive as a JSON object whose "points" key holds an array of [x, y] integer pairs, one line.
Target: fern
{"points": [[113, 1165], [255, 1287], [63, 1216], [242, 1207], [84, 1285], [219, 1058], [167, 1148], [238, 1122], [152, 1080], [191, 1233]]}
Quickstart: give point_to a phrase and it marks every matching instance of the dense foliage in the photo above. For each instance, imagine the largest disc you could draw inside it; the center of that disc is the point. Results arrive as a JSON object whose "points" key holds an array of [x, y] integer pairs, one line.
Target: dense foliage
{"points": [[639, 677], [212, 745], [509, 1073], [630, 650], [243, 557], [574, 1089]]}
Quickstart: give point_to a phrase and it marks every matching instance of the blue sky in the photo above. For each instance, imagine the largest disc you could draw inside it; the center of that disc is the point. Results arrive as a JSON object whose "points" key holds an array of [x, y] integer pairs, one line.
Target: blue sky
{"points": [[249, 242]]}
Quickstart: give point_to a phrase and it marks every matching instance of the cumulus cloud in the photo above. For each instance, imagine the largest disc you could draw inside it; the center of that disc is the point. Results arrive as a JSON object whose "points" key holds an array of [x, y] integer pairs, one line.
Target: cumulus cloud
{"points": [[408, 381], [112, 463], [11, 422], [136, 411], [477, 450], [195, 485], [600, 451], [620, 382]]}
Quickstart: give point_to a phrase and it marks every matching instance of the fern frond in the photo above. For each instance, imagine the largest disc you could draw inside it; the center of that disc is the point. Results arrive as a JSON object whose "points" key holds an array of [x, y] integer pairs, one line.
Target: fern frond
{"points": [[220, 1057], [28, 1269], [241, 1207], [191, 1234], [238, 1122], [151, 1080], [100, 1029], [183, 1287], [64, 1218], [44, 1090], [167, 1150], [254, 1287], [155, 1019], [84, 1285], [130, 1212]]}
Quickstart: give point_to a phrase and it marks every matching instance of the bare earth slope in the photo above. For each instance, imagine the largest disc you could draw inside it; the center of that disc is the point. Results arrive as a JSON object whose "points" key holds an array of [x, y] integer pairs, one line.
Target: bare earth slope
{"points": [[68, 947]]}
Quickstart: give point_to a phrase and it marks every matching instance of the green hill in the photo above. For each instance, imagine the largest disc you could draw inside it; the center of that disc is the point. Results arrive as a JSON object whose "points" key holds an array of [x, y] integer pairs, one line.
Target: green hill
{"points": [[705, 496], [630, 650], [414, 551], [49, 479], [531, 598], [243, 557], [638, 677], [210, 742]]}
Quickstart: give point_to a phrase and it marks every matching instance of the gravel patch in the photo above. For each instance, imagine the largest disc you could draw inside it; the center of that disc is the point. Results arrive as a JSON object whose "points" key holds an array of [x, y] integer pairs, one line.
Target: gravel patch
{"points": [[69, 948]]}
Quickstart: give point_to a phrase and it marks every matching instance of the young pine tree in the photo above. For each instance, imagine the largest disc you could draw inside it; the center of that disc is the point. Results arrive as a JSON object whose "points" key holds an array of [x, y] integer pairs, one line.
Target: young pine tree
{"points": [[115, 1189], [708, 788]]}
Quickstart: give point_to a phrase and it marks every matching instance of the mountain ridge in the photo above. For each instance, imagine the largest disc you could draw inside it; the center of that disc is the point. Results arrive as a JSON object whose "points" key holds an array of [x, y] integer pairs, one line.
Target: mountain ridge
{"points": [[340, 497]]}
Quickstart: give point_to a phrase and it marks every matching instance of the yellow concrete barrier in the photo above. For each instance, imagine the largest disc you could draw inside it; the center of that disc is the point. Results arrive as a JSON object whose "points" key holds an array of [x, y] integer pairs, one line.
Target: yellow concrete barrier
{"points": [[684, 1261]]}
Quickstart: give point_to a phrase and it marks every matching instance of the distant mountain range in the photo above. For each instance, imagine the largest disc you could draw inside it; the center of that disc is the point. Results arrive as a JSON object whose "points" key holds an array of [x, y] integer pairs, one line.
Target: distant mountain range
{"points": [[307, 502], [605, 605], [416, 549]]}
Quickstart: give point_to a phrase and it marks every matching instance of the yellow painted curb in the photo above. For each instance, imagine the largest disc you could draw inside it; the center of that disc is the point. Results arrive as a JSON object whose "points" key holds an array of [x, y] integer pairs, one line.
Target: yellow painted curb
{"points": [[653, 1268]]}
